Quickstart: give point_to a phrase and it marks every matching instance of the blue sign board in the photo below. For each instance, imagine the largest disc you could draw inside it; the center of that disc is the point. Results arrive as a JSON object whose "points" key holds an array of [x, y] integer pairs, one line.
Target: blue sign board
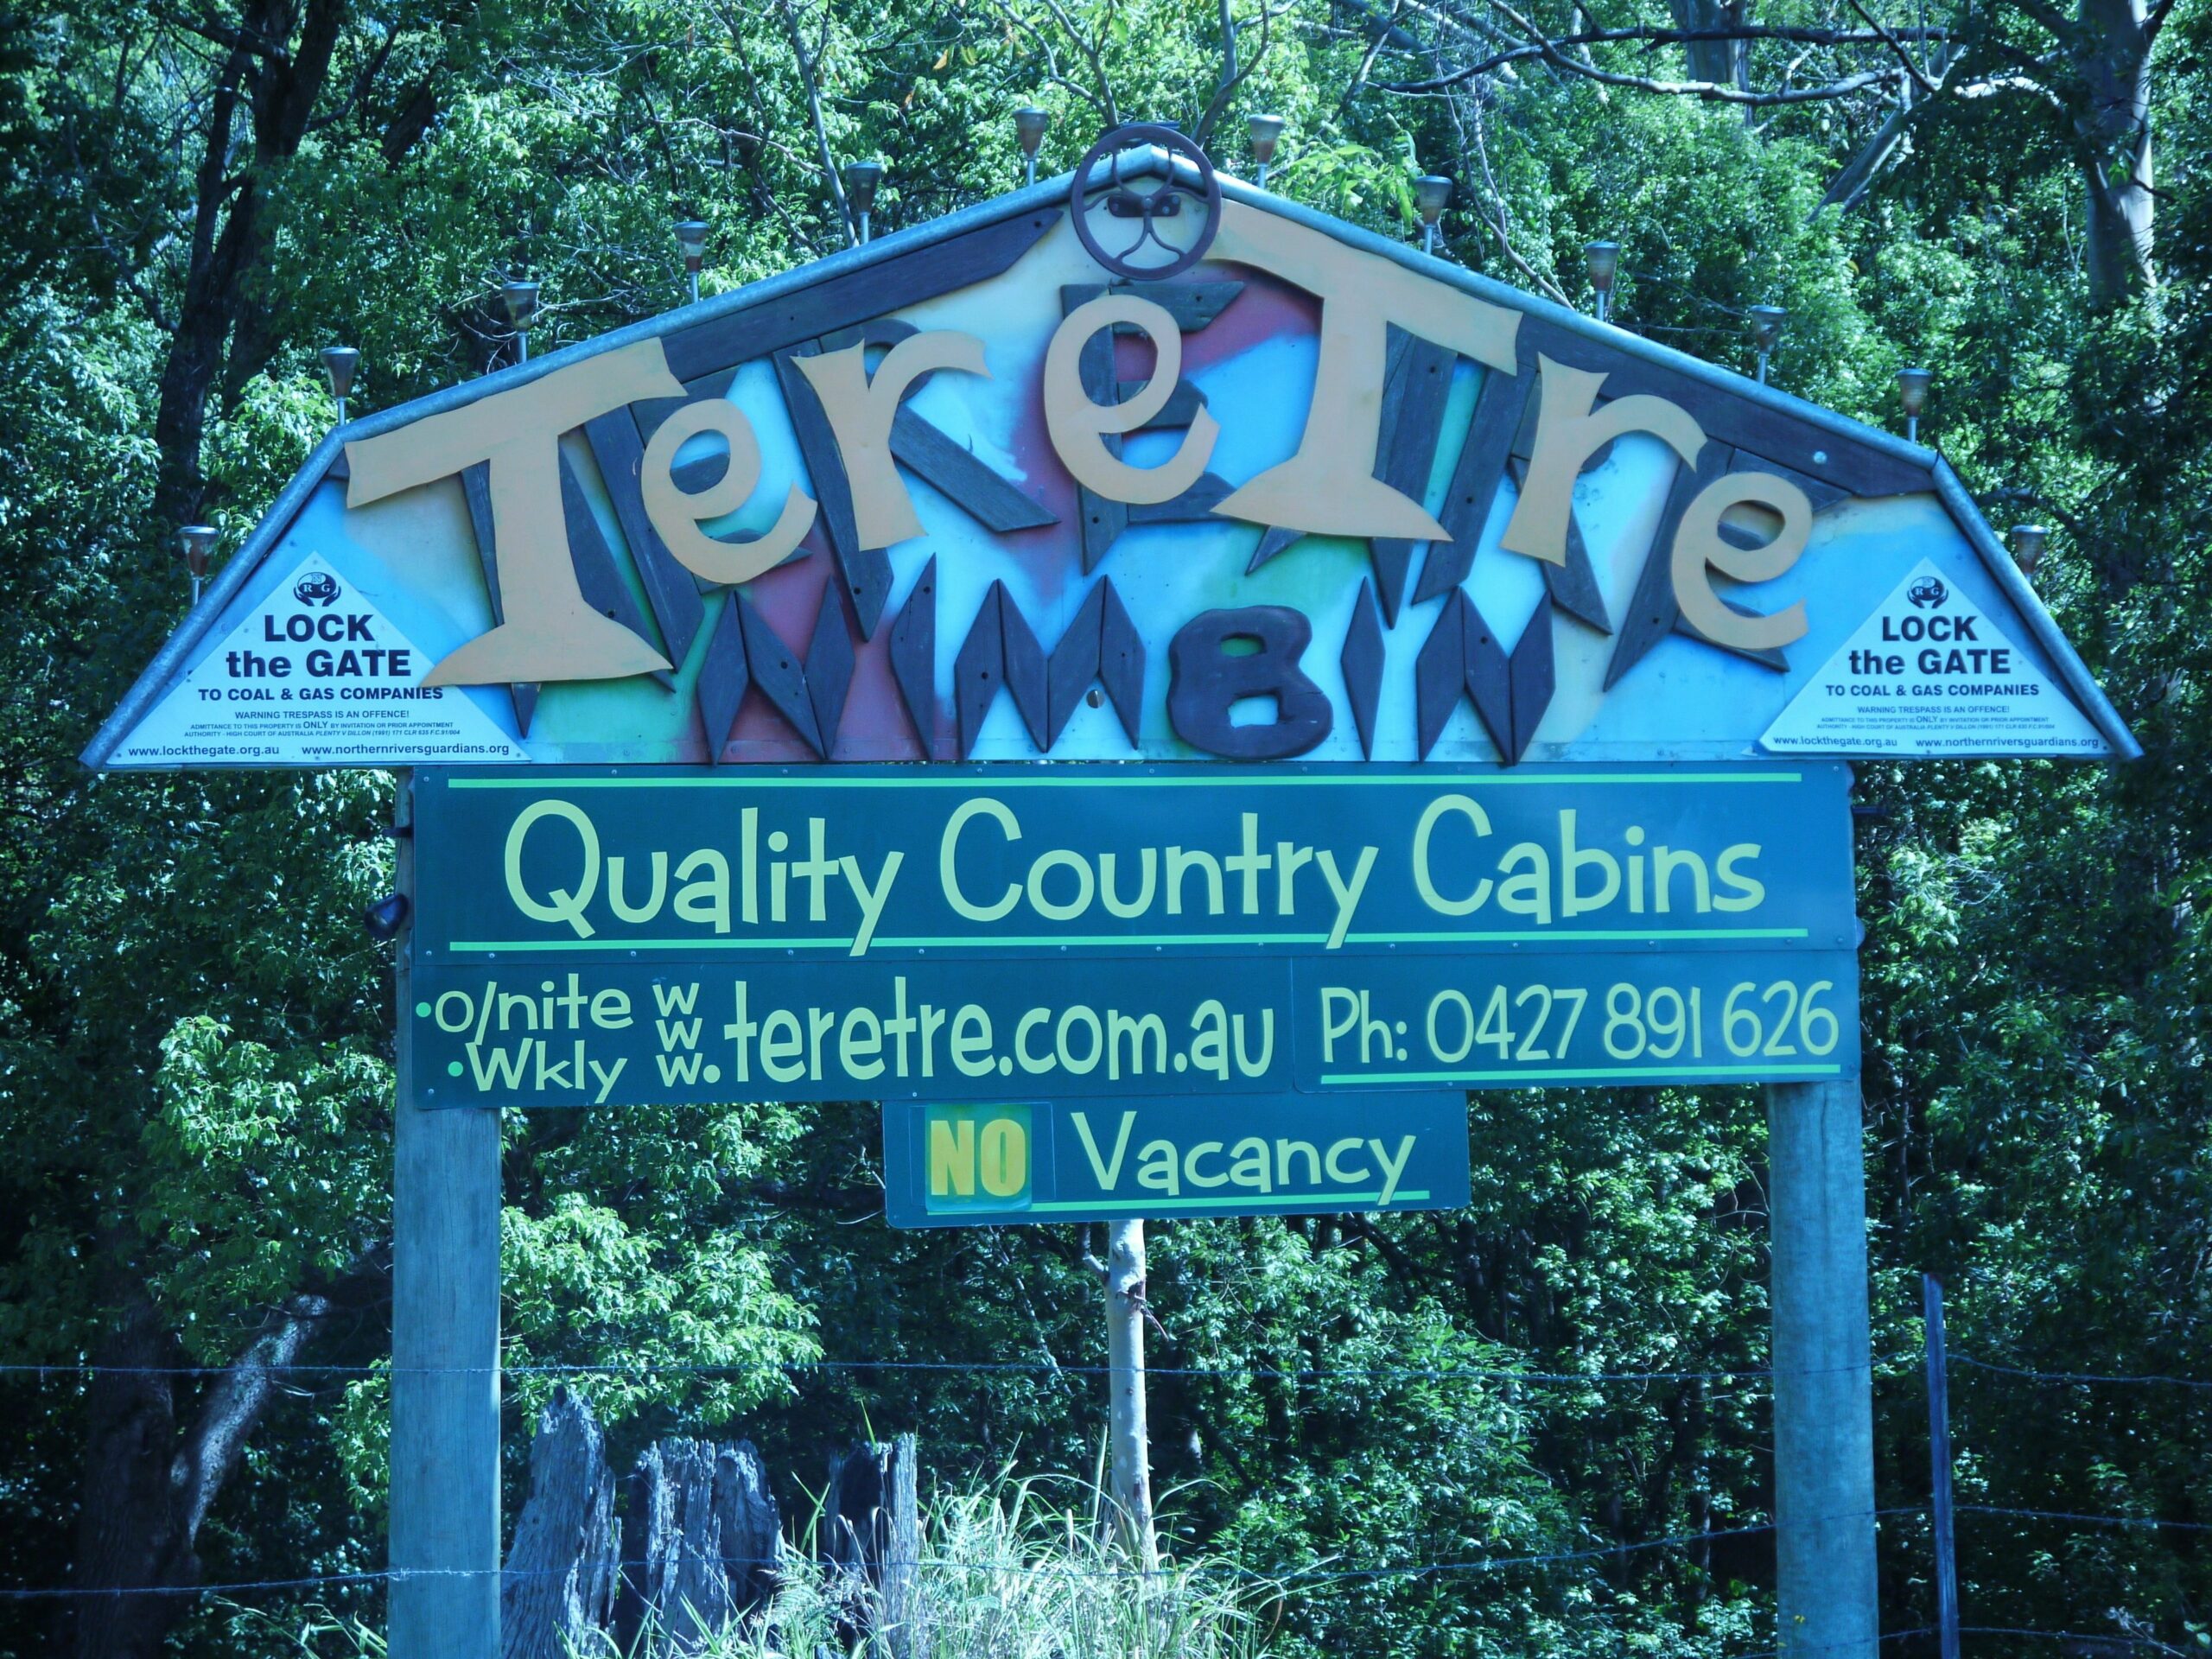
{"points": [[964, 1165], [958, 934], [914, 862], [969, 1028]]}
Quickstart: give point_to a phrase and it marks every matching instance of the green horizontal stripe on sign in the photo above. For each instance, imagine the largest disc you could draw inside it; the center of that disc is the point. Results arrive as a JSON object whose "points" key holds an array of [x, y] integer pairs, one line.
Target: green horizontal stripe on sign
{"points": [[1104, 780], [1162, 1206], [1582, 1074], [1537, 935], [1047, 940], [517, 945]]}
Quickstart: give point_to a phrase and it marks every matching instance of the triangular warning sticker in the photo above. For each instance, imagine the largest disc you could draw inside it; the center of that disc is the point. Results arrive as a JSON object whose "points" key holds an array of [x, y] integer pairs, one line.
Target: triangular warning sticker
{"points": [[315, 675], [1929, 673]]}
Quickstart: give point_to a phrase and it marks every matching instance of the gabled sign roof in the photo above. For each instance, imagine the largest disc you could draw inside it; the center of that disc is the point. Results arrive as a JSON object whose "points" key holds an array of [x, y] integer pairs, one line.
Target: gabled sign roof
{"points": [[964, 492]]}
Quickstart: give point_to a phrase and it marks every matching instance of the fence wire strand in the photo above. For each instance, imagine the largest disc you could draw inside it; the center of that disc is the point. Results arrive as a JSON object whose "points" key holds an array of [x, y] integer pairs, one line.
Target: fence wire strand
{"points": [[2079, 1376], [1048, 1367], [2113, 1640], [2086, 1520], [952, 1568]]}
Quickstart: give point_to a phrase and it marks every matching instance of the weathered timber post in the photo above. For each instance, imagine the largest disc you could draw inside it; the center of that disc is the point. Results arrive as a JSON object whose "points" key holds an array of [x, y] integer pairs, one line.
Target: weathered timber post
{"points": [[872, 1530], [558, 1589], [1823, 1383], [699, 1552], [445, 1348], [1127, 1438]]}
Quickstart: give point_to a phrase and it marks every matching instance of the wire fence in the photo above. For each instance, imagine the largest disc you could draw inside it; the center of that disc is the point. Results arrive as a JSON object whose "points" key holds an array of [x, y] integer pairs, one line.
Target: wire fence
{"points": [[2076, 1519], [2084, 1378], [1320, 1574], [1292, 1579], [2087, 1637], [1380, 1373], [1296, 1575], [46, 1369]]}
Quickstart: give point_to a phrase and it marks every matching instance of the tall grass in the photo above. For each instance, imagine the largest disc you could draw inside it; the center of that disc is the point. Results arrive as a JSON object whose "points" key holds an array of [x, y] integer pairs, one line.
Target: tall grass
{"points": [[1005, 1572]]}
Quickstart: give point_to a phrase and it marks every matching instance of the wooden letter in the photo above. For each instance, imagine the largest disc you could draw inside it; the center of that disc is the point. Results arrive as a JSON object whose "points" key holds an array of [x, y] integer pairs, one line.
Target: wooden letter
{"points": [[1076, 423], [1205, 684], [1698, 545], [548, 632], [676, 514], [1329, 486], [861, 410], [1567, 434]]}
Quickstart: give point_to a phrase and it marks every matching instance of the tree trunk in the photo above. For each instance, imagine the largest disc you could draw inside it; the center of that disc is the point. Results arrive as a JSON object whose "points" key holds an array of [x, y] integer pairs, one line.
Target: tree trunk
{"points": [[699, 1550], [145, 1492], [559, 1584], [1128, 1437], [1716, 61], [223, 335], [126, 1531], [2113, 60], [871, 1529]]}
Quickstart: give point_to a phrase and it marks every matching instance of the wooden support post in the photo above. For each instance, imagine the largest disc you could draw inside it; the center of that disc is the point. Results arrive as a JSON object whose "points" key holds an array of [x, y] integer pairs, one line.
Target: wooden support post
{"points": [[445, 1350], [1127, 1439], [1939, 1461], [1823, 1383]]}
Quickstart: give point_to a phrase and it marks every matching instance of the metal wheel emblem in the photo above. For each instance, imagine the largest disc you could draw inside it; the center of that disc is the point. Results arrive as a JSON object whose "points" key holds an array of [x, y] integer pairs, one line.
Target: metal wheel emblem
{"points": [[1171, 199]]}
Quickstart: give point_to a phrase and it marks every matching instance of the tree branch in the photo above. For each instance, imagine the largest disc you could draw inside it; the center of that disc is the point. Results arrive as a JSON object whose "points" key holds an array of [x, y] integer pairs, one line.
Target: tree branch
{"points": [[1367, 63], [1889, 39], [2046, 14], [235, 1406], [1232, 76], [1989, 500], [805, 62], [1535, 44], [1495, 220], [1106, 101], [1052, 75], [1849, 186], [230, 37]]}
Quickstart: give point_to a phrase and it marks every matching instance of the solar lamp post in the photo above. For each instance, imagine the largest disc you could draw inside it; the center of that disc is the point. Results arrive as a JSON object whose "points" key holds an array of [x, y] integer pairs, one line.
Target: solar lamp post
{"points": [[195, 545], [1604, 260], [340, 364], [1431, 192], [1030, 126], [1267, 133], [691, 237], [1912, 394], [1766, 323], [520, 299], [862, 180]]}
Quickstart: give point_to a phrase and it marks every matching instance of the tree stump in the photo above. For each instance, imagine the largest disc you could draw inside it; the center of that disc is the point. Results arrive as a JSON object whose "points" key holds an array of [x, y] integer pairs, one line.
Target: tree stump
{"points": [[558, 1588], [871, 1529], [700, 1546]]}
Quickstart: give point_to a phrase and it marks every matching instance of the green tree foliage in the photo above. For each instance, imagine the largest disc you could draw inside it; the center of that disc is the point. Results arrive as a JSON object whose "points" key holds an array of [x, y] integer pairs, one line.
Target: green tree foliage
{"points": [[194, 1076]]}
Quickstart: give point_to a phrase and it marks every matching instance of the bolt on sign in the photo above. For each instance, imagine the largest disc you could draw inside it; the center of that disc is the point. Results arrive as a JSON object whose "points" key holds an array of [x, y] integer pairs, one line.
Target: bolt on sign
{"points": [[1489, 673]]}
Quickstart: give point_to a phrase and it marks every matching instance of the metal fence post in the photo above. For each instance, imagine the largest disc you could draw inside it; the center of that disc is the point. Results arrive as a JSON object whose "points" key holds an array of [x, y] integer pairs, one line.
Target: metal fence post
{"points": [[1939, 1460]]}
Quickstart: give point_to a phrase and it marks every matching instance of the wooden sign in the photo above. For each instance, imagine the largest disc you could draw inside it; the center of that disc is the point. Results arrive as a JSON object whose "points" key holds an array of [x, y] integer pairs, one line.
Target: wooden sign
{"points": [[1144, 465], [966, 493]]}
